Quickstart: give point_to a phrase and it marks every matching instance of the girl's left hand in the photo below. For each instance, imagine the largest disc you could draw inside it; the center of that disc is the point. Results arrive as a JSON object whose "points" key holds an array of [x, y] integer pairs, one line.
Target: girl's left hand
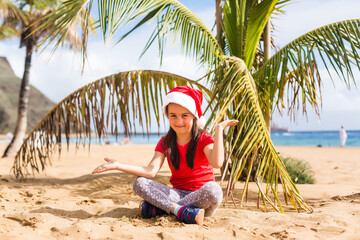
{"points": [[227, 123], [109, 165]]}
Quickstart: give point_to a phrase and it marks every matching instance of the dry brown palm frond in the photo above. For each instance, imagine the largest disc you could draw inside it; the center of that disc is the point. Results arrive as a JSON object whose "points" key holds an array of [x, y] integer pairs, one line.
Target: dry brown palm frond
{"points": [[9, 10], [111, 105]]}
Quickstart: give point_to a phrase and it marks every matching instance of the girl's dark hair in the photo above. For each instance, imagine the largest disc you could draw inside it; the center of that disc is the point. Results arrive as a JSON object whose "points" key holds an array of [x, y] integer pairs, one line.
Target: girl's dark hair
{"points": [[170, 142]]}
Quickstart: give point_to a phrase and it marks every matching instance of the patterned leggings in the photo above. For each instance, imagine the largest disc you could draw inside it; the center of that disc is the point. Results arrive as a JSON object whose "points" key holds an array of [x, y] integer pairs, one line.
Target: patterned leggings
{"points": [[208, 197]]}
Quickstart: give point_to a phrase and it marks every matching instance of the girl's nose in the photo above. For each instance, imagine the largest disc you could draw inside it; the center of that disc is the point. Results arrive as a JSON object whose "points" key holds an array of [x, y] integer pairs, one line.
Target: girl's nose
{"points": [[179, 120]]}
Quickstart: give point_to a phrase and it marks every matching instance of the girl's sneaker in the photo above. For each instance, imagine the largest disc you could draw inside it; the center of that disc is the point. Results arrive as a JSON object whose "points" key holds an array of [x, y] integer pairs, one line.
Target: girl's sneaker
{"points": [[146, 210], [190, 215]]}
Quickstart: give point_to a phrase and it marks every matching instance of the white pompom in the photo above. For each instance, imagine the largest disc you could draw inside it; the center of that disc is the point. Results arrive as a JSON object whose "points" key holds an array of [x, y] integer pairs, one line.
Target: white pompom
{"points": [[201, 122]]}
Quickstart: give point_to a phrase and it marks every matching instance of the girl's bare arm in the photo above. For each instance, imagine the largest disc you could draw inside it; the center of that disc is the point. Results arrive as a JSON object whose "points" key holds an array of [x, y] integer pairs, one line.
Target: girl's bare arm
{"points": [[215, 152], [149, 171]]}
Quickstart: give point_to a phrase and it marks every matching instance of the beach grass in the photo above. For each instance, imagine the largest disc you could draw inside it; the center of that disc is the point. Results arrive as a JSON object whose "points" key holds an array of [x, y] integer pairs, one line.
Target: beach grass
{"points": [[300, 171]]}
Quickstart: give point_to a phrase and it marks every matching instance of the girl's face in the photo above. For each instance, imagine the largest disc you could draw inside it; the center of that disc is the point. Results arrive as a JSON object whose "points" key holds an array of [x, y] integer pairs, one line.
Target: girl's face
{"points": [[181, 119]]}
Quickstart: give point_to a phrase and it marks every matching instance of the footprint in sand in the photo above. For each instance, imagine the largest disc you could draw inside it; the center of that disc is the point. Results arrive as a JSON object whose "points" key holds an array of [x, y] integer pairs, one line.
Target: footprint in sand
{"points": [[26, 194], [75, 231], [280, 235], [329, 231], [352, 198], [168, 236], [2, 197], [86, 202], [26, 222], [54, 229], [41, 192]]}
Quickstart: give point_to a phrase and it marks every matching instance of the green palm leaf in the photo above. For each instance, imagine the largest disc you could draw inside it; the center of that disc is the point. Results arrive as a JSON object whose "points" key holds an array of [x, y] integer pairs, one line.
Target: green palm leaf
{"points": [[244, 22], [260, 15], [172, 17], [10, 16], [294, 68], [250, 141], [7, 32], [109, 105]]}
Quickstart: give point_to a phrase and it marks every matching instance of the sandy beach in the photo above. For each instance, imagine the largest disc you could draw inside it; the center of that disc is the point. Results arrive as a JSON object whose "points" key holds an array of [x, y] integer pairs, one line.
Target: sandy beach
{"points": [[67, 202]]}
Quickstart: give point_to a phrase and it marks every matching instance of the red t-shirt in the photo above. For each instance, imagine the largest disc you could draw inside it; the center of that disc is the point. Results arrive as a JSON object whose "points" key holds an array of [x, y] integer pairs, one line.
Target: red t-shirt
{"points": [[186, 178]]}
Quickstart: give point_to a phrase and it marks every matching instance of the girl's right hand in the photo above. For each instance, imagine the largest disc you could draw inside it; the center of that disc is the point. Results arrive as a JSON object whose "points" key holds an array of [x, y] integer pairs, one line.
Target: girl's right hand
{"points": [[227, 123], [109, 165]]}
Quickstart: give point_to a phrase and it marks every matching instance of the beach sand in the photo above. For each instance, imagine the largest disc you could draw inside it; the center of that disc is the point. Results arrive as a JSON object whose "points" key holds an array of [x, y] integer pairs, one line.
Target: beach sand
{"points": [[67, 202]]}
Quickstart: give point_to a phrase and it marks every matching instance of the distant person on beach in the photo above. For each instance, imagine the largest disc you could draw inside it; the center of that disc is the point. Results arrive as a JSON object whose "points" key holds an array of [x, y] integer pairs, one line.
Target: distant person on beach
{"points": [[343, 136], [191, 154], [125, 141]]}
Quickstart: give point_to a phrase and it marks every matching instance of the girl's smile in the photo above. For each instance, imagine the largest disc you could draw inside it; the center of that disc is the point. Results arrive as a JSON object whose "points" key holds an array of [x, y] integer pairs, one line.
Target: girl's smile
{"points": [[180, 119]]}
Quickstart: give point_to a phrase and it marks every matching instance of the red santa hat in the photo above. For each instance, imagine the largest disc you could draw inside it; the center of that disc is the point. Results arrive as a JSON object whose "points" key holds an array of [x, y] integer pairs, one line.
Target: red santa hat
{"points": [[189, 98]]}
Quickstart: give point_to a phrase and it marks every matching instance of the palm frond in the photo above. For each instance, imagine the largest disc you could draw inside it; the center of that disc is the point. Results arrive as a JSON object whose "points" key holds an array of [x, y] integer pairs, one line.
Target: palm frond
{"points": [[41, 4], [280, 5], [249, 143], [64, 22], [9, 10], [294, 68], [111, 105], [244, 22], [173, 18], [260, 15], [7, 31], [234, 24]]}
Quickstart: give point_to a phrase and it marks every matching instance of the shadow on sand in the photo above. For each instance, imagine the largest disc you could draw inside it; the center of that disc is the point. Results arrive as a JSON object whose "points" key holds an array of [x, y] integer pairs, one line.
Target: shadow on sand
{"points": [[82, 214]]}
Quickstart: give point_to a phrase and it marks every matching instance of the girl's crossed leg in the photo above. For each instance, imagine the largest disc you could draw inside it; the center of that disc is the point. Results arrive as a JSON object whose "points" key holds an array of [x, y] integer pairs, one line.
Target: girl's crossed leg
{"points": [[208, 197]]}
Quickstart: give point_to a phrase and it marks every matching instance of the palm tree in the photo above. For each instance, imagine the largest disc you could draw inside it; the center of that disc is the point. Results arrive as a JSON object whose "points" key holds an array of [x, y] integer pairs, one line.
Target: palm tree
{"points": [[22, 20], [240, 83]]}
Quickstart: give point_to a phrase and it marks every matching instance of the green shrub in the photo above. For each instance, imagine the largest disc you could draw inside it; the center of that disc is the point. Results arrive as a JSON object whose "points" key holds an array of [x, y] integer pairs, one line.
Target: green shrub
{"points": [[299, 171]]}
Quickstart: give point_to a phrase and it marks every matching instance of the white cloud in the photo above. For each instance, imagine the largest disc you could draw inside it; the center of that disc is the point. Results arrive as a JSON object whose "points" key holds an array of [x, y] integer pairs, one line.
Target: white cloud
{"points": [[303, 16]]}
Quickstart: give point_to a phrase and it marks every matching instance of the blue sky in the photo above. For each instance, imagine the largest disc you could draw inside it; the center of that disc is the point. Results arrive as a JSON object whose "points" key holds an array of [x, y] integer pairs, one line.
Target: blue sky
{"points": [[61, 75]]}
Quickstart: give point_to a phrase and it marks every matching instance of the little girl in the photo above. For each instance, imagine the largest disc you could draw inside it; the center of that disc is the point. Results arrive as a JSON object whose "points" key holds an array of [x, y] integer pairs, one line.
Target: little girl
{"points": [[191, 154]]}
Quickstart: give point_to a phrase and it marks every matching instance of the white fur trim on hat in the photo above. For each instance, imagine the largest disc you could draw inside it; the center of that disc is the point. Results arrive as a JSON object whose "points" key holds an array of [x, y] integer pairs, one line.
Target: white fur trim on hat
{"points": [[201, 122], [181, 99]]}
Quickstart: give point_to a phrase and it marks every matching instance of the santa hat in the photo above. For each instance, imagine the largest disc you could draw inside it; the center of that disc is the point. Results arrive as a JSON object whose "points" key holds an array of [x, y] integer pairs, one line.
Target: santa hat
{"points": [[189, 98]]}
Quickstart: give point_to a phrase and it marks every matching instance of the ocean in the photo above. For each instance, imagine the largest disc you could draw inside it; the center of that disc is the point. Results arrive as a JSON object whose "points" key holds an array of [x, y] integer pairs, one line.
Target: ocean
{"points": [[295, 138], [315, 138]]}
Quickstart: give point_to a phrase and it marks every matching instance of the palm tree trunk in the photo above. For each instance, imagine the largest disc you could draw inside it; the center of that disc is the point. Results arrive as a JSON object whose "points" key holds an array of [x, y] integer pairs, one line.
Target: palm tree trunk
{"points": [[218, 21], [21, 123]]}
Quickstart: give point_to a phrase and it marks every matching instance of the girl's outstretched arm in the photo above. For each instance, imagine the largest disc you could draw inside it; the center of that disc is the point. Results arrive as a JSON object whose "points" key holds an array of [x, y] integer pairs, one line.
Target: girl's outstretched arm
{"points": [[215, 152], [149, 171]]}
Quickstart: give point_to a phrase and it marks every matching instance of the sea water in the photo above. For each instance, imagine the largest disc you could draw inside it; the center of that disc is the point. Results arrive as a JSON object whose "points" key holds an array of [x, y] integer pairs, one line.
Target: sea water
{"points": [[315, 138], [294, 138]]}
